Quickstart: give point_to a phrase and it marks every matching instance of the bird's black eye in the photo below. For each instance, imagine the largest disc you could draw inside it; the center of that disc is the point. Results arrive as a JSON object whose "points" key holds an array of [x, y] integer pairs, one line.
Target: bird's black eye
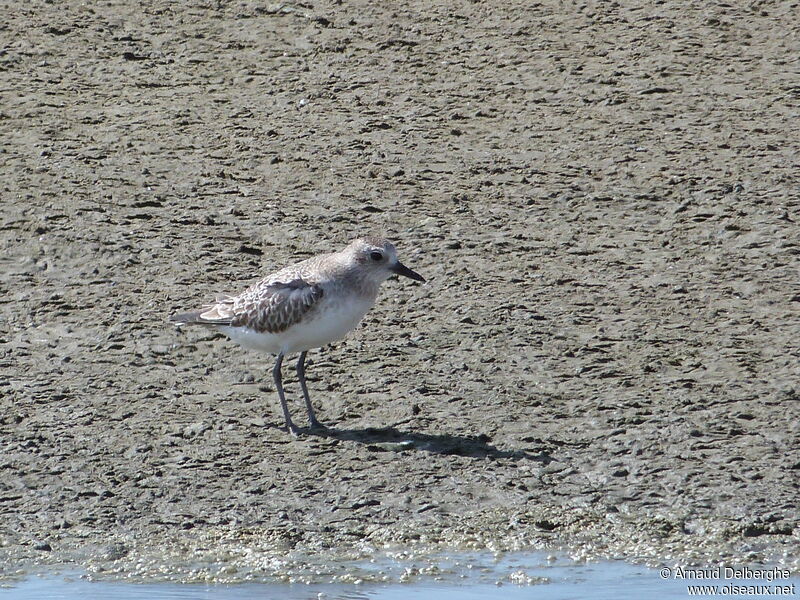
{"points": [[376, 256]]}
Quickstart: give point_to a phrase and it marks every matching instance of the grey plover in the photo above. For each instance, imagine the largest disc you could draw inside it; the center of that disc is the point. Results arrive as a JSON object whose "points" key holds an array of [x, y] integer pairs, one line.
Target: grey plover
{"points": [[304, 306]]}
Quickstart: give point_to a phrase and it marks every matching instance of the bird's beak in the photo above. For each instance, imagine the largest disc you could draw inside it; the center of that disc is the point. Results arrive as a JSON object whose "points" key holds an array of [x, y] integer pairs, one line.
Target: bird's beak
{"points": [[403, 270]]}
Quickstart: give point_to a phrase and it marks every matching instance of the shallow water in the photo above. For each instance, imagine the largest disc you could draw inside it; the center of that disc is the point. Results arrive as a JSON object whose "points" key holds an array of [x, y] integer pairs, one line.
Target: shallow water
{"points": [[466, 577]]}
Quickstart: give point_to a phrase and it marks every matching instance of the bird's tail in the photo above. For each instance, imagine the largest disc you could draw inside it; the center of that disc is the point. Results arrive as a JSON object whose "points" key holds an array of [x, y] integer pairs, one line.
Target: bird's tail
{"points": [[189, 318], [196, 318]]}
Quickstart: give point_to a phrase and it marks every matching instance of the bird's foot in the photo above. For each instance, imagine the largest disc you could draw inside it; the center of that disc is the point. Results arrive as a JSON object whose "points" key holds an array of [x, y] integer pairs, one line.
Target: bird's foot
{"points": [[314, 424], [292, 428]]}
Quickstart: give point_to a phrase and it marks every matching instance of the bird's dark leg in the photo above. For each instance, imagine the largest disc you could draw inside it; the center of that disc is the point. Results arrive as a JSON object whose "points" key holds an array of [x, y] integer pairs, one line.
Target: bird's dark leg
{"points": [[276, 375], [301, 375]]}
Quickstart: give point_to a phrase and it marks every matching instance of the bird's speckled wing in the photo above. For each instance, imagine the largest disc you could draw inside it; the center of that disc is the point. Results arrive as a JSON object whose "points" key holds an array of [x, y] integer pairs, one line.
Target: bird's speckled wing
{"points": [[266, 307]]}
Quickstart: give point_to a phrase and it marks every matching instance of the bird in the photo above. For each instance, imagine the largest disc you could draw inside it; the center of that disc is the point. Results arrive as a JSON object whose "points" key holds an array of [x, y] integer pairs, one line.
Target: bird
{"points": [[303, 306]]}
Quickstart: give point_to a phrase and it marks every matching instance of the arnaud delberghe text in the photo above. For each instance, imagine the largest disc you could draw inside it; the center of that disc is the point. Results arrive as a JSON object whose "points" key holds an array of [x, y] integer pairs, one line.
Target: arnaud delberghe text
{"points": [[771, 574]]}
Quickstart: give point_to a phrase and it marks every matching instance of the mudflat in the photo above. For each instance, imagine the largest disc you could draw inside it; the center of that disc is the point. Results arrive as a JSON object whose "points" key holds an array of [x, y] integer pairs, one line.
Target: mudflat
{"points": [[603, 198]]}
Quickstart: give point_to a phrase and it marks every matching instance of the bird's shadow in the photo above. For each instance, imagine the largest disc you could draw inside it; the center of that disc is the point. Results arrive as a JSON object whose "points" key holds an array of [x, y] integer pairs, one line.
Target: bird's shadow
{"points": [[390, 439]]}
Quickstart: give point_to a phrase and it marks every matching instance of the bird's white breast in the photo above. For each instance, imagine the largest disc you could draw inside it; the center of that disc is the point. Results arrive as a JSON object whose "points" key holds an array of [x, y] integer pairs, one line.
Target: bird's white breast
{"points": [[332, 320]]}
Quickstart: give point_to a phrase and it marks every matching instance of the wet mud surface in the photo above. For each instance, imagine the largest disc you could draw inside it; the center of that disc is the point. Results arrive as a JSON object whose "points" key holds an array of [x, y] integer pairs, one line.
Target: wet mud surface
{"points": [[603, 198]]}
